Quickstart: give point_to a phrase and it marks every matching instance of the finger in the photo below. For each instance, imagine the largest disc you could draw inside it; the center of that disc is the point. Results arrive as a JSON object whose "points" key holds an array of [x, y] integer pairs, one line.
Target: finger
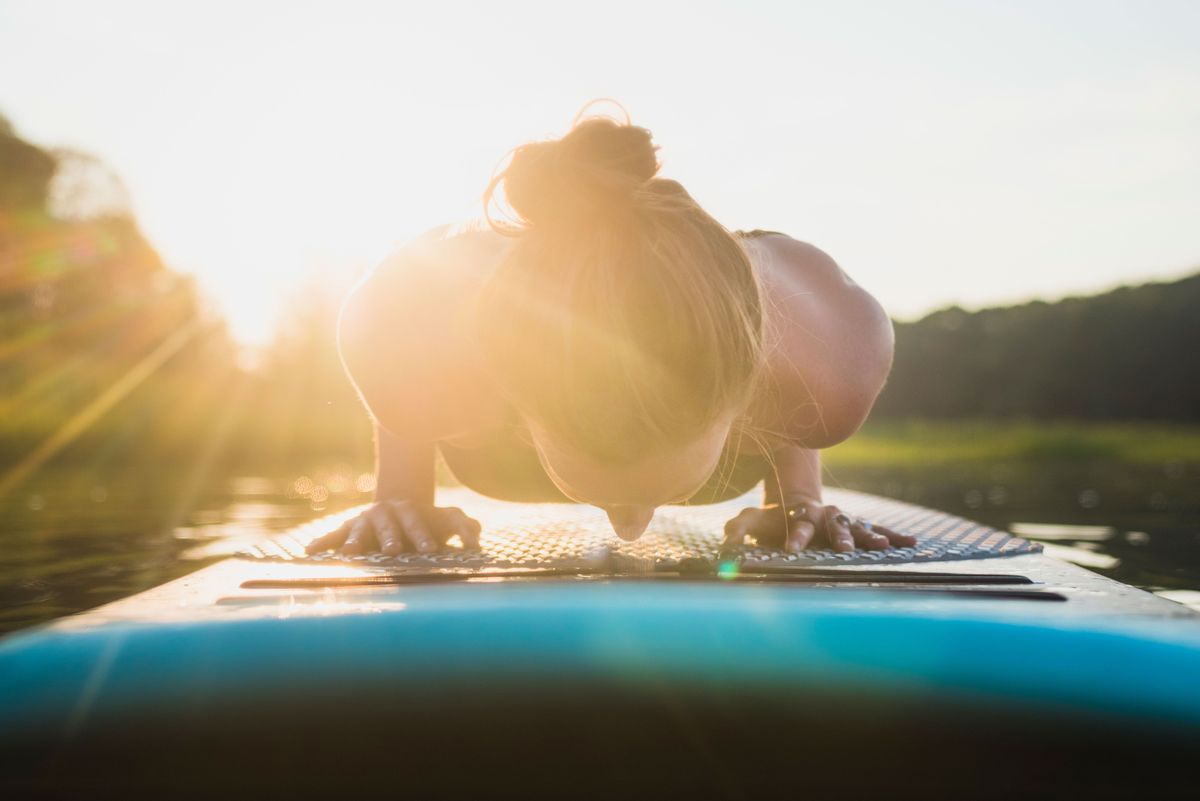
{"points": [[739, 527], [800, 535], [868, 539], [769, 526], [456, 521], [793, 515], [388, 531], [331, 540], [415, 528], [361, 539], [836, 531], [896, 538]]}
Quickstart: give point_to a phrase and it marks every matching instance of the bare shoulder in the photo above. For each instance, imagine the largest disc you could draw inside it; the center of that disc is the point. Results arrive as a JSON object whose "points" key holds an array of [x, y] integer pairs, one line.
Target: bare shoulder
{"points": [[437, 267], [403, 336], [831, 342], [801, 280], [786, 262]]}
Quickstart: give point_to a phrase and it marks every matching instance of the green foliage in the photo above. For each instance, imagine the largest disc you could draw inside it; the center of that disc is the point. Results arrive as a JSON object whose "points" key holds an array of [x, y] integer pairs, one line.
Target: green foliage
{"points": [[25, 172], [914, 443], [85, 299], [86, 302], [1123, 355]]}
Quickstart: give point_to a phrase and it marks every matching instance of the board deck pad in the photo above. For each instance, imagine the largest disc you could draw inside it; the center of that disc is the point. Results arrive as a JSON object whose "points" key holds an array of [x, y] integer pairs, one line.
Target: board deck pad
{"points": [[569, 535]]}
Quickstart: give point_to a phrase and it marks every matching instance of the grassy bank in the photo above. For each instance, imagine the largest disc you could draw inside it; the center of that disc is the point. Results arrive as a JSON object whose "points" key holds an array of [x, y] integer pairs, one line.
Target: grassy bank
{"points": [[915, 443], [257, 443]]}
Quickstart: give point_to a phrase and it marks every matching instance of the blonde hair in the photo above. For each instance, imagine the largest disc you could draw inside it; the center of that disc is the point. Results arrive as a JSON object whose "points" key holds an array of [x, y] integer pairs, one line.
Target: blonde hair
{"points": [[624, 318]]}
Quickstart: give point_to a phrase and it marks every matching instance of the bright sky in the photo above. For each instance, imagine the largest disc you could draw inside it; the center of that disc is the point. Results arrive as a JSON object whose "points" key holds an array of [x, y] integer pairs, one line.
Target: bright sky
{"points": [[970, 152]]}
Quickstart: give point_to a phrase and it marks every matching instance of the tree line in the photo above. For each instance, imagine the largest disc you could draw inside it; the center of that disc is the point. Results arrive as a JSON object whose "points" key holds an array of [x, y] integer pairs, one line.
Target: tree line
{"points": [[93, 320], [86, 301], [1128, 354]]}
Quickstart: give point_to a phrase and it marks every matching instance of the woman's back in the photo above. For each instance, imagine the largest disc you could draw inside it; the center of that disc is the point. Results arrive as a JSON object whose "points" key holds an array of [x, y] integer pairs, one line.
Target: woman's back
{"points": [[615, 345], [409, 344]]}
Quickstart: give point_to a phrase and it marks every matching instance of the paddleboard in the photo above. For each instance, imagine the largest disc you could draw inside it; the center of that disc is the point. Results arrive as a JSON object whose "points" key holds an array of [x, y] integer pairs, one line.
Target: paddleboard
{"points": [[557, 660]]}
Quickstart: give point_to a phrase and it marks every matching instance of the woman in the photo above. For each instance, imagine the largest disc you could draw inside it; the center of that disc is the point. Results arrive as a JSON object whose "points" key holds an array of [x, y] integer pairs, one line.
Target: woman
{"points": [[615, 346]]}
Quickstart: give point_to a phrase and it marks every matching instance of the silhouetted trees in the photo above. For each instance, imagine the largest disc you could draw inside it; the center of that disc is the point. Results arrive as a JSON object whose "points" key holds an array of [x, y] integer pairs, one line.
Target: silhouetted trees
{"points": [[86, 303], [1126, 354], [87, 306]]}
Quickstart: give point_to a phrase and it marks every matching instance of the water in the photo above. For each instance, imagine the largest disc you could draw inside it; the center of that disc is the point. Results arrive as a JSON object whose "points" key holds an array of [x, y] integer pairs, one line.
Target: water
{"points": [[70, 541], [1136, 523]]}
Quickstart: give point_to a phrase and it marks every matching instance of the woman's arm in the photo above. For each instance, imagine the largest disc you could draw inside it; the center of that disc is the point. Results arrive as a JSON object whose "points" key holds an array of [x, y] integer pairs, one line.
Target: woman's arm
{"points": [[400, 356], [797, 473], [403, 468], [832, 347], [793, 514], [831, 352], [403, 517]]}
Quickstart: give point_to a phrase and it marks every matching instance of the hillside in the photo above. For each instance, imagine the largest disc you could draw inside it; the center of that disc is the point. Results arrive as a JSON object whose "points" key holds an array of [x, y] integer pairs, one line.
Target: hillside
{"points": [[1128, 354]]}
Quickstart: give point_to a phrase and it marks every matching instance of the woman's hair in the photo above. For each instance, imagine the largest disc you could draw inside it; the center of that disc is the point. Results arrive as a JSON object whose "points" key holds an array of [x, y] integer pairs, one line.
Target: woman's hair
{"points": [[624, 318]]}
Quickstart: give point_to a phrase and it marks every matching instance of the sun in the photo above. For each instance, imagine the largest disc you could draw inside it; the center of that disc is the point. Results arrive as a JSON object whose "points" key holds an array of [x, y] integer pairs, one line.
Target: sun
{"points": [[299, 193]]}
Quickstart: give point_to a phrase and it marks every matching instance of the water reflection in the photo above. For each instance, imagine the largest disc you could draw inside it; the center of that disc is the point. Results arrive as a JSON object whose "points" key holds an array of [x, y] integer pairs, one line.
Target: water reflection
{"points": [[1062, 531], [71, 542], [1136, 523], [69, 545]]}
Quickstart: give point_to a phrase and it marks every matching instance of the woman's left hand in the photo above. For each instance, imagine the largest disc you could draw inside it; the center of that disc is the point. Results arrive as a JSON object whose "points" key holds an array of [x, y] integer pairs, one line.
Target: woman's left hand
{"points": [[801, 522]]}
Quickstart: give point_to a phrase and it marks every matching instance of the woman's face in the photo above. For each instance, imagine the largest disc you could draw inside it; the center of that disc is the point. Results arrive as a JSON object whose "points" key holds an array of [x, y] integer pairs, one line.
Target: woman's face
{"points": [[630, 494]]}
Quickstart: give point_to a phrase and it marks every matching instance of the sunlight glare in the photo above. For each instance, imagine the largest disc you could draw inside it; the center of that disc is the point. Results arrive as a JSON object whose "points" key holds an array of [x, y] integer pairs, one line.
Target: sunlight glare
{"points": [[329, 178]]}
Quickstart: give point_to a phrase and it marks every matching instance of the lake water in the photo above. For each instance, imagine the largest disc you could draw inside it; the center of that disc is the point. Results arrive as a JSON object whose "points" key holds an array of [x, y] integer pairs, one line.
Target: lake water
{"points": [[1137, 523], [70, 542]]}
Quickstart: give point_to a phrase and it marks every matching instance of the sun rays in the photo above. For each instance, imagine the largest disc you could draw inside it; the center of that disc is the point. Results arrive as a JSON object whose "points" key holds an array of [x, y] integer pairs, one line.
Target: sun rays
{"points": [[88, 415]]}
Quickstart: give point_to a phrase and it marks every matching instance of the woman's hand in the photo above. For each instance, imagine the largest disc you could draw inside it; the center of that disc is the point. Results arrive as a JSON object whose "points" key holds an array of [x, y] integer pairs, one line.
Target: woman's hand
{"points": [[395, 527], [799, 522]]}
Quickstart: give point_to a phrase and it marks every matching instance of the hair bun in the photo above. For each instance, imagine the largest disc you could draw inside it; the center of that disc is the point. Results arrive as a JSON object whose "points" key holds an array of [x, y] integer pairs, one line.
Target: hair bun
{"points": [[596, 167]]}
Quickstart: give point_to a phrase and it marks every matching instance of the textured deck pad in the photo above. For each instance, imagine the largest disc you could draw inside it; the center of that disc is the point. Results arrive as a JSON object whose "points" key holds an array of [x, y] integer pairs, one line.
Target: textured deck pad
{"points": [[566, 535]]}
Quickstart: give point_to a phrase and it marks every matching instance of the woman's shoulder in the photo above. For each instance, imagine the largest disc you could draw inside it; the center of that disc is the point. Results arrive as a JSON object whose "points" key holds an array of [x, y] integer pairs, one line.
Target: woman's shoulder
{"points": [[831, 339], [439, 264], [403, 333], [784, 260]]}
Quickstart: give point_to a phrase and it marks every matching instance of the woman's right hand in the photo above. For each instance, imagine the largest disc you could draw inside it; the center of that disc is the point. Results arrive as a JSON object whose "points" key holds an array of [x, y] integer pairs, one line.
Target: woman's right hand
{"points": [[396, 527]]}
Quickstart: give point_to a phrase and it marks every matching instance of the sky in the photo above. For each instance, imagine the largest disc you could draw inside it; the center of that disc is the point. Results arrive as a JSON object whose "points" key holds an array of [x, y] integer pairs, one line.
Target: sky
{"points": [[977, 153]]}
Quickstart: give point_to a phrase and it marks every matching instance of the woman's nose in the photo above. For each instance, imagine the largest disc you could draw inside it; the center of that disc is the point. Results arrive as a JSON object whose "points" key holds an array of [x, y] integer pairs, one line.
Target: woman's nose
{"points": [[629, 521]]}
